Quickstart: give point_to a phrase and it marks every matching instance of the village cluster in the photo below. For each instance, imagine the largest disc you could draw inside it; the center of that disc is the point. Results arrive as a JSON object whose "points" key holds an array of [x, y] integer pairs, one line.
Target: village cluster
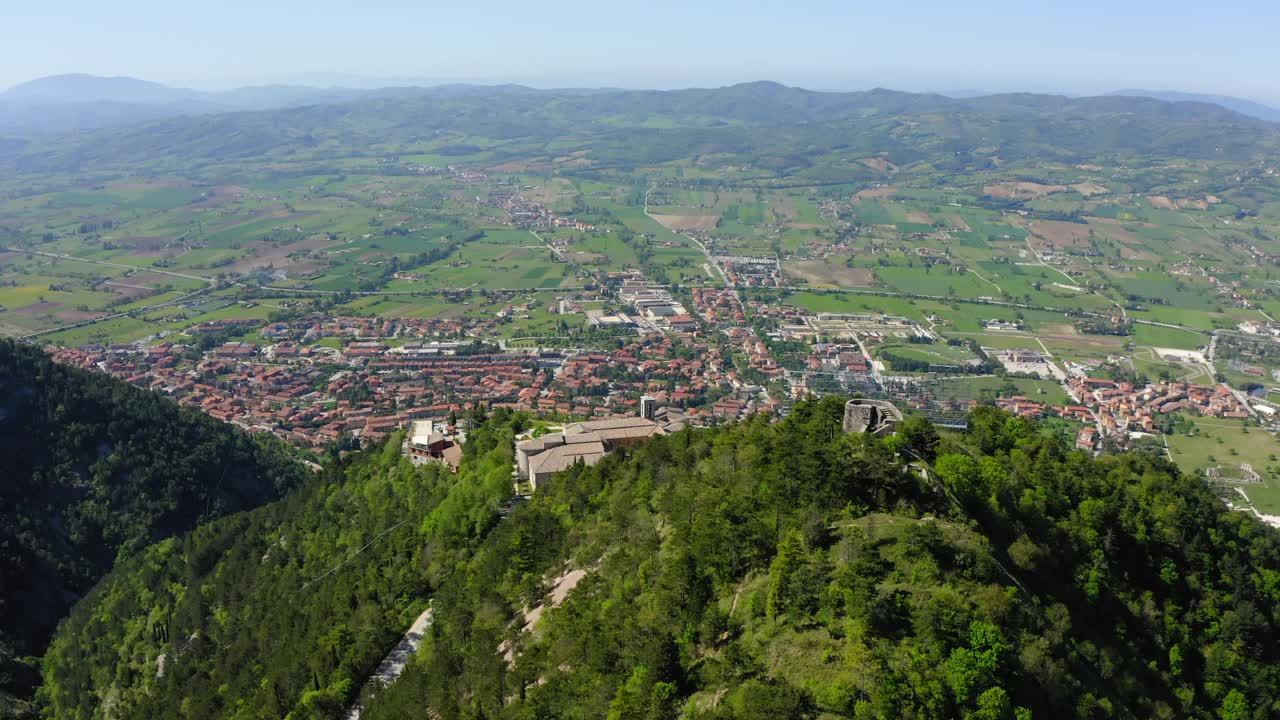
{"points": [[1121, 408]]}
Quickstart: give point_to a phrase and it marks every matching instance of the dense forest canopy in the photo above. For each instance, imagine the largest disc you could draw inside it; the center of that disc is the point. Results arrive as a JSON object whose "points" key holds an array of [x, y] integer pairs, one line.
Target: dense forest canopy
{"points": [[92, 469], [283, 610], [757, 570], [789, 570]]}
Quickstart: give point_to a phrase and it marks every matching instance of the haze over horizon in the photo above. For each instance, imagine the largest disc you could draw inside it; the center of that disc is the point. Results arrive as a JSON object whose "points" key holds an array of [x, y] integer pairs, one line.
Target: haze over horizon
{"points": [[1087, 48]]}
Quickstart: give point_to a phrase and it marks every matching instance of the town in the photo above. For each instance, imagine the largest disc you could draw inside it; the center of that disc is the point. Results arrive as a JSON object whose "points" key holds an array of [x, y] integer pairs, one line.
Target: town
{"points": [[320, 380]]}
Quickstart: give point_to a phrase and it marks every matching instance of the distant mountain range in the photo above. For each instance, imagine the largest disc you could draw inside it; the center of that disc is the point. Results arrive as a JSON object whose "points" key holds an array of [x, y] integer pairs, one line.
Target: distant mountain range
{"points": [[63, 103], [1240, 105], [629, 128]]}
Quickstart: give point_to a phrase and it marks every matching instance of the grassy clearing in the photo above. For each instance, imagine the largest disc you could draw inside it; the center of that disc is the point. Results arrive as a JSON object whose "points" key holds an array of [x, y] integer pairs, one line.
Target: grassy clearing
{"points": [[1228, 444], [938, 353], [986, 389]]}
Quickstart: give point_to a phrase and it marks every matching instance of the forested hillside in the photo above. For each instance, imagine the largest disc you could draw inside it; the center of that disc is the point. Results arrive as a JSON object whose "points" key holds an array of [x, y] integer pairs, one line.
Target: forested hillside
{"points": [[284, 610], [788, 570], [754, 571], [93, 469]]}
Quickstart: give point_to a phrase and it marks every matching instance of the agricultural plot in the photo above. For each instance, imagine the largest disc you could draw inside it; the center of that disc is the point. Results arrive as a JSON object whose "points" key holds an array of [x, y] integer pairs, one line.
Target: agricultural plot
{"points": [[854, 303], [986, 389], [1157, 336], [928, 354], [490, 266], [1225, 445], [597, 251], [1181, 292], [833, 271], [686, 223], [938, 280]]}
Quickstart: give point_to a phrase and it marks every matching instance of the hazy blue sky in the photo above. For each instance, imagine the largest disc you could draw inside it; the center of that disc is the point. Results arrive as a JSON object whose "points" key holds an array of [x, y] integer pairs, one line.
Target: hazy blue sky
{"points": [[1080, 47]]}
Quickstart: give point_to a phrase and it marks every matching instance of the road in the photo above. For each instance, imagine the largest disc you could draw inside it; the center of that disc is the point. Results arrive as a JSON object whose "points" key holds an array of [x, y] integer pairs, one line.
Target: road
{"points": [[710, 259], [394, 663], [109, 264], [582, 272], [985, 280], [425, 291], [1040, 260], [210, 284]]}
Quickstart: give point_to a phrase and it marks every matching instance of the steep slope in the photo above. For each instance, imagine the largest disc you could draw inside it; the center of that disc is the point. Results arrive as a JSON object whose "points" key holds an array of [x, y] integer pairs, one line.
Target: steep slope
{"points": [[766, 571], [94, 469], [283, 609]]}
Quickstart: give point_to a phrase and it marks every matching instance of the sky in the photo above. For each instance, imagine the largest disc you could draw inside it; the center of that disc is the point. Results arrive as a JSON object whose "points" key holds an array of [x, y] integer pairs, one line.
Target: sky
{"points": [[1082, 47]]}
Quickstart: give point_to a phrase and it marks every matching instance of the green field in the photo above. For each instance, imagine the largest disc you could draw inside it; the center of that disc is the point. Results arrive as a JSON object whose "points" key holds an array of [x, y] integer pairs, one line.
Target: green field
{"points": [[937, 353], [1227, 444], [985, 389]]}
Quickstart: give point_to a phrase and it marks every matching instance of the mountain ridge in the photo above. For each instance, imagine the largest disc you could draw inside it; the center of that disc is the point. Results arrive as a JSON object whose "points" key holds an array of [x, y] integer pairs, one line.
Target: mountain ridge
{"points": [[1244, 106], [78, 101], [625, 126]]}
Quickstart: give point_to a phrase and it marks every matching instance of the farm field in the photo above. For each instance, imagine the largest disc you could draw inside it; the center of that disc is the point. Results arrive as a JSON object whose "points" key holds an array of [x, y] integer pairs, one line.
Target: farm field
{"points": [[1227, 445], [937, 353], [334, 232], [988, 388], [491, 265]]}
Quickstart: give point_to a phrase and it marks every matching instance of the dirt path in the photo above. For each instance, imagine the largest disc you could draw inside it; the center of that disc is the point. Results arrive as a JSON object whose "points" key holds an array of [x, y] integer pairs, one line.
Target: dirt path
{"points": [[395, 661], [711, 260], [985, 280], [1272, 520], [1043, 347]]}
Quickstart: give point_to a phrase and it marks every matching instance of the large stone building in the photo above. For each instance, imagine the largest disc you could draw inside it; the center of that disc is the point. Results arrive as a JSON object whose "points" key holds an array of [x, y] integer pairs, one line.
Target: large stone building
{"points": [[537, 459], [878, 417]]}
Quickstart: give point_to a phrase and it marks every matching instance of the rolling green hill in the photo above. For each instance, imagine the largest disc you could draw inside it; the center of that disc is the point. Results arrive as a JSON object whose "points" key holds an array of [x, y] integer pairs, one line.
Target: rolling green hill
{"points": [[630, 127]]}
